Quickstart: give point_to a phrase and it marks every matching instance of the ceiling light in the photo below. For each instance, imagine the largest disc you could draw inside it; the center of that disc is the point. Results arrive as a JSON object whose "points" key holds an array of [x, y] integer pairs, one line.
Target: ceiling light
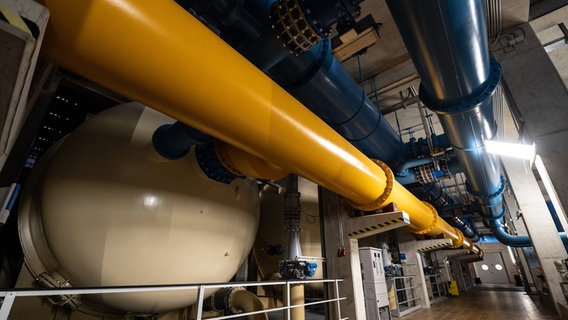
{"points": [[515, 150]]}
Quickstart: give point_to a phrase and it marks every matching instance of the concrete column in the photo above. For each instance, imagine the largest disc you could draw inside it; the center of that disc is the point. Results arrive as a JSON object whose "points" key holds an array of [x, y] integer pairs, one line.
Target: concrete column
{"points": [[539, 223], [537, 98], [335, 215], [519, 224]]}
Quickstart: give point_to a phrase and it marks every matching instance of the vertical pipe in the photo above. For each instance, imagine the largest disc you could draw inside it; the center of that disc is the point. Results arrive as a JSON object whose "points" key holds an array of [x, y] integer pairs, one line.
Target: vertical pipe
{"points": [[447, 41], [291, 217]]}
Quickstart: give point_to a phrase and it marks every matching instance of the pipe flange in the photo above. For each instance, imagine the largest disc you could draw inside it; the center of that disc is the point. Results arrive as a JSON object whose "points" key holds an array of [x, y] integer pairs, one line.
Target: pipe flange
{"points": [[488, 197], [292, 26], [380, 201], [434, 219], [488, 90], [225, 159], [459, 242]]}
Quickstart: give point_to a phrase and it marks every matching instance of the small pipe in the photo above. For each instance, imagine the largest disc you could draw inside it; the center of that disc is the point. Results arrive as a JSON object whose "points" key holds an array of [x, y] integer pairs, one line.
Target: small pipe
{"points": [[173, 141], [498, 229], [291, 217]]}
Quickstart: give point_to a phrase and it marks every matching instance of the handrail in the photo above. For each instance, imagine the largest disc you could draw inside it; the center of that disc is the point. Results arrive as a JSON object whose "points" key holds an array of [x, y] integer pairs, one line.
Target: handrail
{"points": [[10, 295]]}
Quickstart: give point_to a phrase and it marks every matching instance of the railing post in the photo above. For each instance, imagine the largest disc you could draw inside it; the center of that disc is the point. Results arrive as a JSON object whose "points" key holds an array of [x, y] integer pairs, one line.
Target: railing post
{"points": [[200, 295], [7, 305]]}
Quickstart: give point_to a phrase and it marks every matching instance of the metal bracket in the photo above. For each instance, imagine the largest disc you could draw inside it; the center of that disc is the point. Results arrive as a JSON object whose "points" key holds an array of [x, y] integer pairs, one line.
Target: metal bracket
{"points": [[368, 225]]}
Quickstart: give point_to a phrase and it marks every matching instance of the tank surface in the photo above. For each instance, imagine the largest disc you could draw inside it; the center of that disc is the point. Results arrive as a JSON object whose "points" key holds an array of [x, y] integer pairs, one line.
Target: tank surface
{"points": [[103, 209]]}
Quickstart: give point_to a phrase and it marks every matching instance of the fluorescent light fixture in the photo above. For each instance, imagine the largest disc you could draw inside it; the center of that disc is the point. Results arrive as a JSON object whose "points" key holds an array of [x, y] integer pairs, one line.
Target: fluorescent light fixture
{"points": [[515, 150]]}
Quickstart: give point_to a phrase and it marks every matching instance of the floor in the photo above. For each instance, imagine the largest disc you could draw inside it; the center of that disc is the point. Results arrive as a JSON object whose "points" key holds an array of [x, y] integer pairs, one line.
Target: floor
{"points": [[487, 303]]}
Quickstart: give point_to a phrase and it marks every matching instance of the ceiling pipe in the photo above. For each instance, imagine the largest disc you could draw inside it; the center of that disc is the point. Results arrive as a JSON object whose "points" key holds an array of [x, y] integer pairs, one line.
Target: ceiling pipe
{"points": [[102, 40], [447, 41]]}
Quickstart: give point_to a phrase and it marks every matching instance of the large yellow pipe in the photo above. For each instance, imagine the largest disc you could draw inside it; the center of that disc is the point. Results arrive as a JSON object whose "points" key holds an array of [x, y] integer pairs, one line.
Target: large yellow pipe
{"points": [[157, 53]]}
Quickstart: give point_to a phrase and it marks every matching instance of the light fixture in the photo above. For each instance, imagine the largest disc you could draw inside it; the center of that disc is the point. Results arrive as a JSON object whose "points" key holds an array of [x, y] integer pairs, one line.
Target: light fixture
{"points": [[507, 149]]}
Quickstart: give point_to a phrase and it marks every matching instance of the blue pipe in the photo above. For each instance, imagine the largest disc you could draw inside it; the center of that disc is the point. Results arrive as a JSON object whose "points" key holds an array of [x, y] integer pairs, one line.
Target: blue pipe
{"points": [[173, 141], [318, 80], [447, 41]]}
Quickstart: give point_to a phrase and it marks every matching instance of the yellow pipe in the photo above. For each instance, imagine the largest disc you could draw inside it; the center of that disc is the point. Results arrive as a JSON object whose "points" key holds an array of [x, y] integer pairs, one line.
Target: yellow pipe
{"points": [[296, 298], [241, 163], [241, 300], [158, 54]]}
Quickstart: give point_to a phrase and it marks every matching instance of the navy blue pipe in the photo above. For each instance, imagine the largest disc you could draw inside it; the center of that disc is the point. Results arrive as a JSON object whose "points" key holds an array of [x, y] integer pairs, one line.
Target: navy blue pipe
{"points": [[318, 80], [173, 141]]}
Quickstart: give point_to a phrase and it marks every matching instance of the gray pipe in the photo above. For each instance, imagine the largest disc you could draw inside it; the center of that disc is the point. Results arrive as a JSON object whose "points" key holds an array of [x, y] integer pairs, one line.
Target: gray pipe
{"points": [[447, 41], [292, 215]]}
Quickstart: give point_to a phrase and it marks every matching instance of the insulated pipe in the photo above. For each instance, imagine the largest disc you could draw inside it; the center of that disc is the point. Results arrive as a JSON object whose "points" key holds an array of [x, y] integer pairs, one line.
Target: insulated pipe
{"points": [[271, 122]]}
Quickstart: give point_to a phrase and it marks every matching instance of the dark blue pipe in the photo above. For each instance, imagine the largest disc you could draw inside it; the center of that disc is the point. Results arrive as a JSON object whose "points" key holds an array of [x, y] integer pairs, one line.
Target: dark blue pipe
{"points": [[173, 141], [319, 81]]}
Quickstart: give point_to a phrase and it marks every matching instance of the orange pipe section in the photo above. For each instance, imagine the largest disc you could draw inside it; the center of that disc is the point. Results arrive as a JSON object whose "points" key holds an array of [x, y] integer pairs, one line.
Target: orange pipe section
{"points": [[157, 53]]}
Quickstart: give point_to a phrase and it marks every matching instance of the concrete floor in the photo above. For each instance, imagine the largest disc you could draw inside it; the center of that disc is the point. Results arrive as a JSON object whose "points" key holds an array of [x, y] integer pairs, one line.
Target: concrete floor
{"points": [[487, 303]]}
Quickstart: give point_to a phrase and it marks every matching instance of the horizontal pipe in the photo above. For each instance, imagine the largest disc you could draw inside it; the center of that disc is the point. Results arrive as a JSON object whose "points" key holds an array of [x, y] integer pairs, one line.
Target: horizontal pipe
{"points": [[319, 81], [269, 125]]}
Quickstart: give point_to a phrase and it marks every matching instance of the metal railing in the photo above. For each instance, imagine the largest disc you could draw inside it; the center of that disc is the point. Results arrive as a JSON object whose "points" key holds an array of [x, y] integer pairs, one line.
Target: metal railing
{"points": [[10, 295]]}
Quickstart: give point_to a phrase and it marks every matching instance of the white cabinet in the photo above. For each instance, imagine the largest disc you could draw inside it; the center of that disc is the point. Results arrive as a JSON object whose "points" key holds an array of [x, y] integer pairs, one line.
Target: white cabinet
{"points": [[374, 283]]}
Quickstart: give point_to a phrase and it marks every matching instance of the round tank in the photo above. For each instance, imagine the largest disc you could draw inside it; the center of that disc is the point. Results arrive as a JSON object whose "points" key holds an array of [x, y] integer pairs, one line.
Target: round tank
{"points": [[270, 241], [103, 209]]}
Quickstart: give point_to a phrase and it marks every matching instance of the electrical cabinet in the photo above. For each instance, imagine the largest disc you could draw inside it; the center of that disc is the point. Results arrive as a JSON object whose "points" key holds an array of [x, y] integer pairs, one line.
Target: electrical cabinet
{"points": [[374, 283]]}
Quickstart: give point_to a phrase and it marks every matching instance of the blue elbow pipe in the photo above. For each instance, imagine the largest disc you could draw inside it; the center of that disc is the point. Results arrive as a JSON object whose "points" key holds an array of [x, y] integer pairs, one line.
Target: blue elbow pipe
{"points": [[518, 241], [173, 141]]}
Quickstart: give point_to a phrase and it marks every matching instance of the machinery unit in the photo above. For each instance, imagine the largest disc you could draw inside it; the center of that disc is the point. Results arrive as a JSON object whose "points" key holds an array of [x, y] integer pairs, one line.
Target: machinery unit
{"points": [[374, 283]]}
